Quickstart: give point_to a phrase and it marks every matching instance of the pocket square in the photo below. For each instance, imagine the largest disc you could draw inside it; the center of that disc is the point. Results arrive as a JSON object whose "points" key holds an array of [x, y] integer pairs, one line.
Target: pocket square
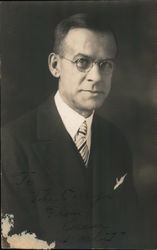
{"points": [[120, 181]]}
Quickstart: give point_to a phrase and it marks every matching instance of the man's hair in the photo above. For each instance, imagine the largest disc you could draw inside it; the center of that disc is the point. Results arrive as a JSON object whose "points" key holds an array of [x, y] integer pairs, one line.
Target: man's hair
{"points": [[82, 20]]}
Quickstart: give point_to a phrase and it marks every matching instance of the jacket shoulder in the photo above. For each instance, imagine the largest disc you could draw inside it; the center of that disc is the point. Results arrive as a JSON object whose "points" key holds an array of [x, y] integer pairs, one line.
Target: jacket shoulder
{"points": [[23, 128]]}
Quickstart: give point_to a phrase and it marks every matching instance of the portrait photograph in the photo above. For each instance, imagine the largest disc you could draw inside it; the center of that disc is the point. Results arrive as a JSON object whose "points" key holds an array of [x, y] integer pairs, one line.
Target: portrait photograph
{"points": [[78, 124]]}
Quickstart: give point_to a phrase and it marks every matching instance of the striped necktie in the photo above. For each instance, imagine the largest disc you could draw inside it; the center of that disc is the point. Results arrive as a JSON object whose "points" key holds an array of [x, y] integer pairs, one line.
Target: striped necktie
{"points": [[81, 142]]}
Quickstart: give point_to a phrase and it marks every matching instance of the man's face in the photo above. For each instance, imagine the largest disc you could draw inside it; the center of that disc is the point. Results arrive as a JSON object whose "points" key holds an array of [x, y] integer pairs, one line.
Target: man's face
{"points": [[85, 91]]}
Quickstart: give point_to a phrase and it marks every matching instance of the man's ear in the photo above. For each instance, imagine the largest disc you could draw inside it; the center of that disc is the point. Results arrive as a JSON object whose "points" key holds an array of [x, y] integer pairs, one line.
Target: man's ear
{"points": [[54, 65]]}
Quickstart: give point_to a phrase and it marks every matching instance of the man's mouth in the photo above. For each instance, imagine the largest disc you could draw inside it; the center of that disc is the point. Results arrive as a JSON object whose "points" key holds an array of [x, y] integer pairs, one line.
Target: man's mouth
{"points": [[93, 91]]}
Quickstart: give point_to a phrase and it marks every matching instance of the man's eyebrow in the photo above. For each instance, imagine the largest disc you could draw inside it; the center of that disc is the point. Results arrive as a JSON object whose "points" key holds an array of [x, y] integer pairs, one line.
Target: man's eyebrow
{"points": [[87, 56], [108, 59], [81, 55]]}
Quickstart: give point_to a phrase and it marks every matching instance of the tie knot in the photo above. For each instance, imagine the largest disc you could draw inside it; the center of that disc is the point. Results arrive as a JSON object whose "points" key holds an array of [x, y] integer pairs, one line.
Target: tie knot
{"points": [[83, 128]]}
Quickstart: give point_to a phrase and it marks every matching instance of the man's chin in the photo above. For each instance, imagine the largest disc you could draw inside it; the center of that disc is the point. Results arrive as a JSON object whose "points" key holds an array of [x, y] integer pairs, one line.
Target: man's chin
{"points": [[91, 106], [95, 103]]}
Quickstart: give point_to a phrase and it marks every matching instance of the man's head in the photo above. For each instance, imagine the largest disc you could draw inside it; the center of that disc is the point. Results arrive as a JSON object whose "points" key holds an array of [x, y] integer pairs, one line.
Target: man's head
{"points": [[83, 61]]}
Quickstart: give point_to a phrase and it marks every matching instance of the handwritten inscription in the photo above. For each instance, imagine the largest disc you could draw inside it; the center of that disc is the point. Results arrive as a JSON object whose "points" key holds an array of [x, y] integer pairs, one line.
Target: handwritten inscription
{"points": [[69, 194], [60, 203], [98, 232]]}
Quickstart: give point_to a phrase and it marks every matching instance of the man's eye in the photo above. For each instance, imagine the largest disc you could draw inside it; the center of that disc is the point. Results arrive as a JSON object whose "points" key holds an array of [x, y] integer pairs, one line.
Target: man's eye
{"points": [[106, 65], [83, 63]]}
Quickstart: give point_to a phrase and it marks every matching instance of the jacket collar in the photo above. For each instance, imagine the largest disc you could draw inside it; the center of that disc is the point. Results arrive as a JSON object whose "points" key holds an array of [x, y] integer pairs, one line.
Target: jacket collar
{"points": [[49, 123]]}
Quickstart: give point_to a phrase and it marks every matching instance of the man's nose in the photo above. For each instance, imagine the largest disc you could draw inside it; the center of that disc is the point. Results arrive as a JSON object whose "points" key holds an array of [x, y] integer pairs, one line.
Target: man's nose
{"points": [[94, 74]]}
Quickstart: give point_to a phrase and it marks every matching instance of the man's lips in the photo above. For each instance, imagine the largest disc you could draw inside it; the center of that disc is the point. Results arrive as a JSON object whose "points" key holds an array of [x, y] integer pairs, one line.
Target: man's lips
{"points": [[93, 91]]}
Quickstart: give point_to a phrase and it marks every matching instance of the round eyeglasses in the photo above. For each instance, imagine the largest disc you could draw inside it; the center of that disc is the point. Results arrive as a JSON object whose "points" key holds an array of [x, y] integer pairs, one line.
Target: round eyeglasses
{"points": [[85, 64]]}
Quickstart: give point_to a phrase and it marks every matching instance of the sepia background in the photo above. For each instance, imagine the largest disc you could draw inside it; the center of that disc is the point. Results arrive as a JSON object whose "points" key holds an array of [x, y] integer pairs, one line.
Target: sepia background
{"points": [[27, 40]]}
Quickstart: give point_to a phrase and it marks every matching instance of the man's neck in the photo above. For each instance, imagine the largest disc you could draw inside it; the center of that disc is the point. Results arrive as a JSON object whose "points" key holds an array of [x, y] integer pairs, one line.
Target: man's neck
{"points": [[84, 113]]}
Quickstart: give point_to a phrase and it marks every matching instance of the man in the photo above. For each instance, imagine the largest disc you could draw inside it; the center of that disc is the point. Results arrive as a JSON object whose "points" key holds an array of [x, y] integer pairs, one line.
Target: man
{"points": [[67, 172]]}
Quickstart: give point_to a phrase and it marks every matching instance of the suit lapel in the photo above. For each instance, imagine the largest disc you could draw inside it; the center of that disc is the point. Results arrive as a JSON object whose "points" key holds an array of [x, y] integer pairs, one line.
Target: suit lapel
{"points": [[48, 122], [96, 141], [53, 141], [52, 138]]}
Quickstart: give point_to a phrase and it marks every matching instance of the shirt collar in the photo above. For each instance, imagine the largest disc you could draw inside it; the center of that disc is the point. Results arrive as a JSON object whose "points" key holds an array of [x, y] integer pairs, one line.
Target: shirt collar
{"points": [[71, 119]]}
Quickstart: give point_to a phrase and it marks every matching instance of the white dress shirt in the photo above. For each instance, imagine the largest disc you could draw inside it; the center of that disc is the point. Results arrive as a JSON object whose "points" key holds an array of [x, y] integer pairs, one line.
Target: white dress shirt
{"points": [[73, 120]]}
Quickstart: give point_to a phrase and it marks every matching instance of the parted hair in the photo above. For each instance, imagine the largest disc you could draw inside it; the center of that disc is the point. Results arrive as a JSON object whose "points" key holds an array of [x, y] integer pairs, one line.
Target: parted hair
{"points": [[81, 20]]}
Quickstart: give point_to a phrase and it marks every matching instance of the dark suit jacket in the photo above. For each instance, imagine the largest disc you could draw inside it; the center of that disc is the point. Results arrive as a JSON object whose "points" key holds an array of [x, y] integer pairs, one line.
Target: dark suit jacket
{"points": [[50, 192]]}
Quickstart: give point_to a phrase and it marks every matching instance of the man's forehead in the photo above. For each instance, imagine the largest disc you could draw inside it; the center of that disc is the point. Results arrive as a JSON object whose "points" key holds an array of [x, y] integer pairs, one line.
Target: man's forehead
{"points": [[83, 40]]}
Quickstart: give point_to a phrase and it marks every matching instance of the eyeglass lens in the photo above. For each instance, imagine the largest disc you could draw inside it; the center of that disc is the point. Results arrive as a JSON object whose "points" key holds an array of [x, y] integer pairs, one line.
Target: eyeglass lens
{"points": [[85, 64]]}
